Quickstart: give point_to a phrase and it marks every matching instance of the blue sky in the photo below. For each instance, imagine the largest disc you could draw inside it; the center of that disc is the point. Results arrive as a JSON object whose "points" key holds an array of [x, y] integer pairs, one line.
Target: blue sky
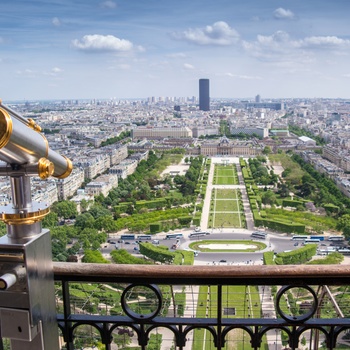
{"points": [[72, 49]]}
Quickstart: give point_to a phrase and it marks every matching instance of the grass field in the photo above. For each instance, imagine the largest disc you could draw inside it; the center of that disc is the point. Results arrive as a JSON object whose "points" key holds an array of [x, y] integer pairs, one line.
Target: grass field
{"points": [[225, 175], [225, 209], [237, 302]]}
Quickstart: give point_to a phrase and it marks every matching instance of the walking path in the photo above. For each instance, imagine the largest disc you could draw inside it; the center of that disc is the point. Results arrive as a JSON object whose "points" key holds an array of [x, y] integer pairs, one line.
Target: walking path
{"points": [[267, 304], [241, 186]]}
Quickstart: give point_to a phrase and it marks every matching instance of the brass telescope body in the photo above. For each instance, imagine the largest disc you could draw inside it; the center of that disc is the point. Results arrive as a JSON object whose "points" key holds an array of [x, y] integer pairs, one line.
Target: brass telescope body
{"points": [[27, 153], [23, 144]]}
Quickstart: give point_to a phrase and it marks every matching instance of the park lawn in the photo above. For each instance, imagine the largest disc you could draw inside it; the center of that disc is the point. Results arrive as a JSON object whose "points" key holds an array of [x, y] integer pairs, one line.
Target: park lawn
{"points": [[199, 245], [225, 180], [225, 220], [316, 222], [226, 205], [225, 193], [243, 299], [225, 175], [226, 171]]}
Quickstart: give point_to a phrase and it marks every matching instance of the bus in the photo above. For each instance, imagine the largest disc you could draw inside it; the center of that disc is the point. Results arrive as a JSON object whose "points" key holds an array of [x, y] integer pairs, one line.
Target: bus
{"points": [[321, 238], [127, 237], [198, 234], [311, 240], [336, 238], [173, 235], [145, 237], [299, 238], [258, 234]]}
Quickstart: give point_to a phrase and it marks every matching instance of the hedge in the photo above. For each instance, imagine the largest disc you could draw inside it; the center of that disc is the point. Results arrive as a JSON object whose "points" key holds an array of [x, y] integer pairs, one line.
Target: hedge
{"points": [[298, 256], [292, 203], [153, 204], [184, 220], [269, 258], [155, 227]]}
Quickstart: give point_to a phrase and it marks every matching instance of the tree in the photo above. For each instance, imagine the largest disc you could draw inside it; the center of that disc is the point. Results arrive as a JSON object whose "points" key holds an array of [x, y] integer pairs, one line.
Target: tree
{"points": [[50, 220], [84, 220], [105, 223], [266, 150], [188, 187], [343, 221], [94, 256], [268, 197], [84, 204], [98, 210], [65, 209]]}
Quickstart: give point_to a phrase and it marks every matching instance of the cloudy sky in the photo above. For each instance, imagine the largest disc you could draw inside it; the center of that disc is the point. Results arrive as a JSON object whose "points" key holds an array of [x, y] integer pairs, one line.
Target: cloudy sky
{"points": [[72, 49]]}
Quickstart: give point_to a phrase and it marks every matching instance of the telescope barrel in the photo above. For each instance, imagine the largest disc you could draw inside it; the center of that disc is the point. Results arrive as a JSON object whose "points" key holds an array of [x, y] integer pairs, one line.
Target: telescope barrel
{"points": [[21, 143]]}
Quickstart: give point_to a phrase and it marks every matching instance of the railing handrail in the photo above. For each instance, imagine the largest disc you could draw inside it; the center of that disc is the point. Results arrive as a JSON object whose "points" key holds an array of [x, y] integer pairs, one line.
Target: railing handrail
{"points": [[201, 274]]}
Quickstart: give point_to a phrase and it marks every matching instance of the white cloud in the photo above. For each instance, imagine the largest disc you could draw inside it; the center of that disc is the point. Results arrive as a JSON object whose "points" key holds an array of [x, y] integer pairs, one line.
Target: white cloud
{"points": [[188, 66], [98, 42], [266, 47], [245, 77], [177, 55], [26, 73], [56, 22], [324, 42], [220, 33], [280, 47], [54, 72], [282, 13], [109, 4]]}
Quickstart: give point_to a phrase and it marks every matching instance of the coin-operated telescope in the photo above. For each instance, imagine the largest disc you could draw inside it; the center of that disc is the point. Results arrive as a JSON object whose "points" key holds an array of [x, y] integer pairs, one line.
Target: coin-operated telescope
{"points": [[27, 299]]}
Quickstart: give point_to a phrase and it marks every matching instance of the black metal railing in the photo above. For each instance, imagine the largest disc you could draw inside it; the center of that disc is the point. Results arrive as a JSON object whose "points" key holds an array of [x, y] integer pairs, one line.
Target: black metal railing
{"points": [[203, 307]]}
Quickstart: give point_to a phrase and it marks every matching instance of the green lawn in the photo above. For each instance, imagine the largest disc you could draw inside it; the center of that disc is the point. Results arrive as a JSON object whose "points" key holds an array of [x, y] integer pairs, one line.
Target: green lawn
{"points": [[226, 205], [237, 302], [225, 209], [225, 193], [225, 175]]}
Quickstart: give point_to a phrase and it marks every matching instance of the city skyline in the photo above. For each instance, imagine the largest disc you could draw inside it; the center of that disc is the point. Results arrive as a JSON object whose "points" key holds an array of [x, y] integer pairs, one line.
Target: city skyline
{"points": [[130, 49]]}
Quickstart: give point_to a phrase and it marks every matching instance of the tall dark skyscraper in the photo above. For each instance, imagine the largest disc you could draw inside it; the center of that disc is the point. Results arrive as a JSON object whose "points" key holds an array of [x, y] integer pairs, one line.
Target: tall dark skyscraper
{"points": [[204, 99]]}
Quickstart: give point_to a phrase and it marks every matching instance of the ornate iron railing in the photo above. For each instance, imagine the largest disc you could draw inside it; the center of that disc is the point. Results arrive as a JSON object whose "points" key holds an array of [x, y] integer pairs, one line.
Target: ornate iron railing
{"points": [[203, 307]]}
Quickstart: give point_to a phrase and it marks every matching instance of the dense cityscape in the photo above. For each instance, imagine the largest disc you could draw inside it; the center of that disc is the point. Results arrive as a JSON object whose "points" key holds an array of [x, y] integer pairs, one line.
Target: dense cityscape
{"points": [[191, 176], [81, 130], [174, 175]]}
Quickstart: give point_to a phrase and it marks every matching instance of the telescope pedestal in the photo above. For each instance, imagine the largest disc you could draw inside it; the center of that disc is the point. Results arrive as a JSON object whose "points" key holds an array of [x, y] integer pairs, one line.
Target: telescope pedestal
{"points": [[27, 308]]}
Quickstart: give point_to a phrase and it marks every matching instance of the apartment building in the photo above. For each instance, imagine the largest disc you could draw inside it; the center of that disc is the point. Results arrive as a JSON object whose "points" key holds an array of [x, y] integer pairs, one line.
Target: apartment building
{"points": [[102, 185], [67, 187], [157, 133], [125, 168]]}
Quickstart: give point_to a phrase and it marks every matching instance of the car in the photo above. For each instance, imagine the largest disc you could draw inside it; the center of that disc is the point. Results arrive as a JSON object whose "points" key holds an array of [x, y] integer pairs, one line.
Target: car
{"points": [[112, 242], [296, 244], [127, 242], [120, 241], [223, 260]]}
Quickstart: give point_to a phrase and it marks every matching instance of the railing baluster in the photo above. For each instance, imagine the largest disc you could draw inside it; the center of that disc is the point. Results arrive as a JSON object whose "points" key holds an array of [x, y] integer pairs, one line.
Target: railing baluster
{"points": [[253, 324]]}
